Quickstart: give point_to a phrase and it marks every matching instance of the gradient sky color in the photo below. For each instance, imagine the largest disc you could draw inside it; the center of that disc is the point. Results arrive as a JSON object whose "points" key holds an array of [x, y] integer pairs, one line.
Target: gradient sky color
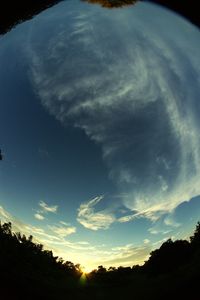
{"points": [[99, 114]]}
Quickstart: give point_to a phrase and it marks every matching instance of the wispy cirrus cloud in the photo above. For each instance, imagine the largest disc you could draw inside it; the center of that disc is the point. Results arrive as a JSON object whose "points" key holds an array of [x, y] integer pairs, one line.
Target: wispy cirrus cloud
{"points": [[44, 209], [48, 208], [5, 216], [89, 255], [146, 241], [125, 255], [94, 220], [153, 213], [135, 102], [53, 237], [27, 229], [63, 230], [39, 216], [163, 221]]}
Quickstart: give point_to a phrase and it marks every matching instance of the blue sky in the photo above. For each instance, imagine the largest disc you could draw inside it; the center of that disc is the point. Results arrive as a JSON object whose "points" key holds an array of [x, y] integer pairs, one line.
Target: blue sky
{"points": [[99, 115]]}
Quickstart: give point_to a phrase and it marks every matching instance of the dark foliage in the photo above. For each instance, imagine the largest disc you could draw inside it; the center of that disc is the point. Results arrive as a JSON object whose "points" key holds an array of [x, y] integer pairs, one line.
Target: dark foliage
{"points": [[112, 3], [189, 9], [26, 267], [27, 271], [169, 257]]}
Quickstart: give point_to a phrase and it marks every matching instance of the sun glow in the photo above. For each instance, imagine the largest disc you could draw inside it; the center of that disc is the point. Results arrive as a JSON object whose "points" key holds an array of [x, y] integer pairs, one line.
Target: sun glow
{"points": [[83, 278], [84, 270]]}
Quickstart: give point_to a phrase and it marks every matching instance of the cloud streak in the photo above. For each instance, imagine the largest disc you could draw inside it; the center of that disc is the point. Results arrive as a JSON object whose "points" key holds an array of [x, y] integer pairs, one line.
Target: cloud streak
{"points": [[63, 231], [44, 209], [81, 251], [94, 220], [47, 208], [39, 216], [124, 255]]}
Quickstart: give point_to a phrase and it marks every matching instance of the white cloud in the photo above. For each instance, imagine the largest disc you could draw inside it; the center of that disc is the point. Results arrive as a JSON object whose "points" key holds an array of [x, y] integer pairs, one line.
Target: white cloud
{"points": [[153, 213], [5, 216], [153, 230], [94, 220], [126, 255], [39, 216], [27, 229], [146, 241], [43, 236], [160, 229], [44, 209], [81, 251], [64, 223], [139, 102], [159, 243], [170, 221], [47, 208], [63, 231]]}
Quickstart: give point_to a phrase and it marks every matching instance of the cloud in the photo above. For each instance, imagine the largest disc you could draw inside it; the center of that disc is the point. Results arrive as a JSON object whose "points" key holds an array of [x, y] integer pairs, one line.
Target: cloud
{"points": [[46, 208], [39, 216], [136, 95], [94, 220], [54, 242], [81, 251], [127, 255], [5, 216], [146, 241], [161, 228], [27, 229], [157, 244], [153, 213], [170, 221], [63, 231]]}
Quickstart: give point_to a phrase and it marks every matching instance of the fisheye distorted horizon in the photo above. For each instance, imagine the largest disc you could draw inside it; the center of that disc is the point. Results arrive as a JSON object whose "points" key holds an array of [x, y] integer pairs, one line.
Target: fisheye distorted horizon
{"points": [[101, 130]]}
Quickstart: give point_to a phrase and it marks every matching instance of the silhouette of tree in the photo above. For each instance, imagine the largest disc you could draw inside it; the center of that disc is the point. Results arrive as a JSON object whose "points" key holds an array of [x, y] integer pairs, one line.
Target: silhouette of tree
{"points": [[6, 229], [101, 270], [195, 238], [169, 256], [32, 270], [112, 3]]}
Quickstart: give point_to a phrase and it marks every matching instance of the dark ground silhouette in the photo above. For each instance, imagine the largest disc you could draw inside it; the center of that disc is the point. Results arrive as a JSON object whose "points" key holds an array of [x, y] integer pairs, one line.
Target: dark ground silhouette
{"points": [[27, 271], [14, 12]]}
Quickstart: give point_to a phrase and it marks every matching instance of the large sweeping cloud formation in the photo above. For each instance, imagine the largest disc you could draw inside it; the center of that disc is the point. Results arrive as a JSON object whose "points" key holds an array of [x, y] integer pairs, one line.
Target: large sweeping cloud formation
{"points": [[130, 79]]}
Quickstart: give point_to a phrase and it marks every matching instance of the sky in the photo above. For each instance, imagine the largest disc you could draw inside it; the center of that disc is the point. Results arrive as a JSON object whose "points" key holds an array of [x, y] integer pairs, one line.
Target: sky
{"points": [[99, 127]]}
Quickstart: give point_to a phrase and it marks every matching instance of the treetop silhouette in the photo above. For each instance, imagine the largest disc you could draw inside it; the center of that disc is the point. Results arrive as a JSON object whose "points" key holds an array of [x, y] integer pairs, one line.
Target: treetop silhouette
{"points": [[31, 270]]}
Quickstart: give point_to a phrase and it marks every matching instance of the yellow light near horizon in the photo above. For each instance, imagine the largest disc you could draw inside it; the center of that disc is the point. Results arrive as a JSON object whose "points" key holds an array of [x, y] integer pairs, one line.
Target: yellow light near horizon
{"points": [[85, 270], [83, 279]]}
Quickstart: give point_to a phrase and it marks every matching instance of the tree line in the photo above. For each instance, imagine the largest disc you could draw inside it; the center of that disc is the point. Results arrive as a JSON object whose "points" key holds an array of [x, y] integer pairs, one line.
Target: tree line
{"points": [[112, 3], [28, 271]]}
